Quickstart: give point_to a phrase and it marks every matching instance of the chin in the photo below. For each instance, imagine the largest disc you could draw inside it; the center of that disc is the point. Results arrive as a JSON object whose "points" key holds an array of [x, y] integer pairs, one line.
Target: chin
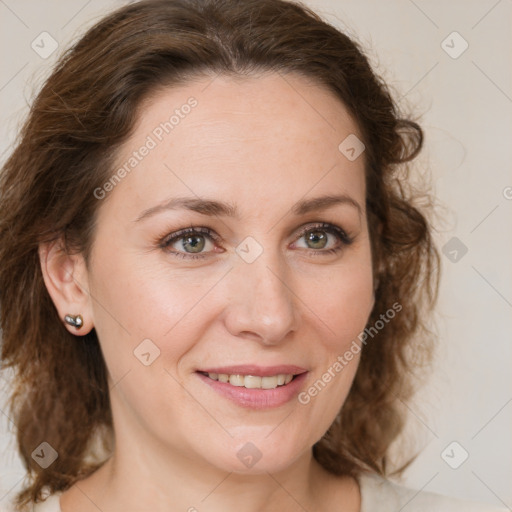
{"points": [[254, 455]]}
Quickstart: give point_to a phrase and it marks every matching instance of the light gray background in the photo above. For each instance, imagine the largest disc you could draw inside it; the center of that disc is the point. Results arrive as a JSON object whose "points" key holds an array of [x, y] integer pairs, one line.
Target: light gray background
{"points": [[466, 106]]}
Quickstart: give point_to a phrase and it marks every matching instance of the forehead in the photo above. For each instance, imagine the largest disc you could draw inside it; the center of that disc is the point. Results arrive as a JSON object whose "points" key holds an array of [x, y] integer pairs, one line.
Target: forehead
{"points": [[273, 136]]}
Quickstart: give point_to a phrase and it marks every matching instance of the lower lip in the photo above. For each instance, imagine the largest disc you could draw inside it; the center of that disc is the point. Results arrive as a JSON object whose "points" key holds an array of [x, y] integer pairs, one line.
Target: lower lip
{"points": [[257, 398]]}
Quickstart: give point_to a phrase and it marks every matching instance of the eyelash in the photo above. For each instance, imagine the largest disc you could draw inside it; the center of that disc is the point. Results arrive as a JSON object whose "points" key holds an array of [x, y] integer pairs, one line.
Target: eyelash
{"points": [[323, 226]]}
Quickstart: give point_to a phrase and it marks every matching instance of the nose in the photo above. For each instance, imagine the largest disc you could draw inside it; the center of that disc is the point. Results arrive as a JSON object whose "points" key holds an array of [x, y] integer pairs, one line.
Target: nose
{"points": [[262, 305]]}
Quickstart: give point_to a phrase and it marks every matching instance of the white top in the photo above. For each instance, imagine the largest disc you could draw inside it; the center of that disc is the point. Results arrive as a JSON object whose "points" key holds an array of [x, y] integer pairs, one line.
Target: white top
{"points": [[377, 495]]}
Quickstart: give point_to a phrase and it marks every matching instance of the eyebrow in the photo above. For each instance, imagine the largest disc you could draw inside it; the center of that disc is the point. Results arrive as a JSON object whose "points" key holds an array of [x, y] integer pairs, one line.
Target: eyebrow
{"points": [[212, 207]]}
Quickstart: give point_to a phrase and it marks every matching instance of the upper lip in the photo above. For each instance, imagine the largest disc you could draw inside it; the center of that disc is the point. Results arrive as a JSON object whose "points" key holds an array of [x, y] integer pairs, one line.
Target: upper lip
{"points": [[251, 369]]}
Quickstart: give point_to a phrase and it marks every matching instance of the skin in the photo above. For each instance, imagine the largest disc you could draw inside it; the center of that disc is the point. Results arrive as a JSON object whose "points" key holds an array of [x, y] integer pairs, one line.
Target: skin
{"points": [[262, 143]]}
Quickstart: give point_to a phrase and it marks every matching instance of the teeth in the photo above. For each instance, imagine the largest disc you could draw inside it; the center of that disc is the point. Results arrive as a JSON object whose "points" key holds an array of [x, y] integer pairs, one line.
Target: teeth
{"points": [[236, 380], [268, 382], [253, 381]]}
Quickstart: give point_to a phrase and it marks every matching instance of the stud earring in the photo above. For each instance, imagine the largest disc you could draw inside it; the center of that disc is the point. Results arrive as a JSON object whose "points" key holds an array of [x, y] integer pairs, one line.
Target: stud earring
{"points": [[76, 321]]}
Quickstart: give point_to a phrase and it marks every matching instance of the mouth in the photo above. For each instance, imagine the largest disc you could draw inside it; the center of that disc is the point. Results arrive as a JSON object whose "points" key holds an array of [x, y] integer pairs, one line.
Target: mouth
{"points": [[252, 381], [255, 387]]}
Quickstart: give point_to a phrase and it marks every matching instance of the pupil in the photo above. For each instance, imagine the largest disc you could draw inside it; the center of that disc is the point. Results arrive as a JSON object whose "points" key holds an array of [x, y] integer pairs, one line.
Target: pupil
{"points": [[196, 243], [317, 236], [197, 246]]}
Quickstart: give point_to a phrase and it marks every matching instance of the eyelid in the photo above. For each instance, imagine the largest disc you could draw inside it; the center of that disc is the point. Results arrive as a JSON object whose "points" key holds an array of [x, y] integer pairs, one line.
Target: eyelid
{"points": [[328, 227], [166, 241], [176, 235]]}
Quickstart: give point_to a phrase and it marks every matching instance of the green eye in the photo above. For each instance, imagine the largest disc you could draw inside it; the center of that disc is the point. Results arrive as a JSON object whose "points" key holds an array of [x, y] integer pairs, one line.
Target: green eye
{"points": [[317, 238], [194, 241]]}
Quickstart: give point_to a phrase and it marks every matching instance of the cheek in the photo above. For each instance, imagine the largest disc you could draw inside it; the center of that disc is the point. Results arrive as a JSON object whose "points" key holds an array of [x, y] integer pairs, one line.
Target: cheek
{"points": [[148, 299], [344, 303], [342, 311], [145, 314], [144, 307], [138, 299]]}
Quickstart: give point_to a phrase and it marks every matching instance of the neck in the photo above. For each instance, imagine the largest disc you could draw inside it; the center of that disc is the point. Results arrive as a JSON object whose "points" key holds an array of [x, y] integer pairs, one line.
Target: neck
{"points": [[192, 485], [138, 477], [145, 473]]}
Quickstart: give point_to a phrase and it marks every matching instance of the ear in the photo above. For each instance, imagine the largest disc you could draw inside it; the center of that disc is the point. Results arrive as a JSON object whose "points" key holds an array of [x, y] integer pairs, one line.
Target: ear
{"points": [[66, 279]]}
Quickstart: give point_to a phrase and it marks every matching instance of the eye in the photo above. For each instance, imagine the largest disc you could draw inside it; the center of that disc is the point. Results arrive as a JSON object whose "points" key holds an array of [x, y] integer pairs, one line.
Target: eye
{"points": [[190, 240], [317, 238], [192, 243]]}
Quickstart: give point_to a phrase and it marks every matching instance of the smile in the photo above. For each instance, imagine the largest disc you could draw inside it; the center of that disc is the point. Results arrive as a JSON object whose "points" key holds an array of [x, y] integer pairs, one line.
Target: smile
{"points": [[255, 387], [252, 381]]}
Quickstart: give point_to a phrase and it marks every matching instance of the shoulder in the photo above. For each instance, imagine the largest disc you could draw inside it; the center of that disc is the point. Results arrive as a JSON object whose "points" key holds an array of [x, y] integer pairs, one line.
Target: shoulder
{"points": [[385, 496]]}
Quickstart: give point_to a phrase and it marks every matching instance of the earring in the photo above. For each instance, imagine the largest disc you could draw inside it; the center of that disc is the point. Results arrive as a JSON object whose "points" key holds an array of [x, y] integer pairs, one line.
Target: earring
{"points": [[76, 321]]}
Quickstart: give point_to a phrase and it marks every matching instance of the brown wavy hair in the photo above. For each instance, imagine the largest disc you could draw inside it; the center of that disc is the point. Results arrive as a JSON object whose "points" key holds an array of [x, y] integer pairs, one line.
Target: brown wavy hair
{"points": [[87, 108]]}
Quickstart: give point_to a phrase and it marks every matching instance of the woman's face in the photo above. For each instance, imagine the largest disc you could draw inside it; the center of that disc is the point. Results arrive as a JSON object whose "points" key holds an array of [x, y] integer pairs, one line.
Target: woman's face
{"points": [[273, 282]]}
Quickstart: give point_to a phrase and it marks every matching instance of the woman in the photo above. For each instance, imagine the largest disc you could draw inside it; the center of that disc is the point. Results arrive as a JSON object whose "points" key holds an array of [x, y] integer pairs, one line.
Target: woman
{"points": [[212, 276]]}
